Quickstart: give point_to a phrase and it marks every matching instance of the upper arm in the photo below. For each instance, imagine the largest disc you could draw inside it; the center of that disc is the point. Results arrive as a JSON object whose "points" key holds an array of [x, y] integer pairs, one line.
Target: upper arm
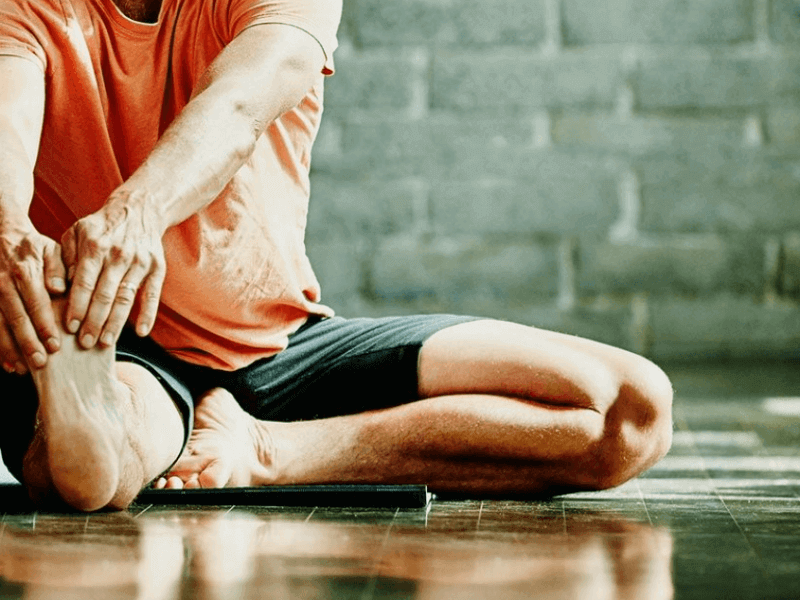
{"points": [[22, 100], [266, 69]]}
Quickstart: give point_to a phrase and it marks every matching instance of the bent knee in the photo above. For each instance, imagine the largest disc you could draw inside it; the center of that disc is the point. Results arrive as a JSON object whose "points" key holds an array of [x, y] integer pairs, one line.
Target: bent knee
{"points": [[637, 430]]}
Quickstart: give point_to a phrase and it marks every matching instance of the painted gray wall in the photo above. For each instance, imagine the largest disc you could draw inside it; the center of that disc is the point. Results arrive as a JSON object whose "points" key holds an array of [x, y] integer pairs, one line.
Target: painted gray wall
{"points": [[626, 171]]}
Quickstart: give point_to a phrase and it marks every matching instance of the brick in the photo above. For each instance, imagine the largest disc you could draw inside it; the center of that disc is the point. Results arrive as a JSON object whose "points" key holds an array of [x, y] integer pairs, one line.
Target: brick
{"points": [[737, 192], [655, 21], [327, 152], [352, 210], [384, 147], [510, 79], [446, 22], [681, 264], [583, 203], [453, 269], [377, 80], [785, 79], [447, 148], [608, 324], [784, 24], [711, 80], [723, 327], [783, 125], [650, 134], [339, 266], [700, 81], [790, 266]]}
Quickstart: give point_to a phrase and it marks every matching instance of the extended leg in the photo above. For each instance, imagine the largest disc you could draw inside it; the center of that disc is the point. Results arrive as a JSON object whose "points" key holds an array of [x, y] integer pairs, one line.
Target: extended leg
{"points": [[104, 429], [505, 408]]}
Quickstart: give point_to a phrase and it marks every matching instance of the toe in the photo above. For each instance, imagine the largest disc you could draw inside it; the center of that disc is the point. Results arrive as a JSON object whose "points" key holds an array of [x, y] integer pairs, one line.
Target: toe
{"points": [[174, 483], [217, 475]]}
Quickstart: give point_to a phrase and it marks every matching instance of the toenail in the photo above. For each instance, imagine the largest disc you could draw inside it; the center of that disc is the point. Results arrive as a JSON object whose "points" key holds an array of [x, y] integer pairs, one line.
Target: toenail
{"points": [[38, 359], [73, 325], [87, 341]]}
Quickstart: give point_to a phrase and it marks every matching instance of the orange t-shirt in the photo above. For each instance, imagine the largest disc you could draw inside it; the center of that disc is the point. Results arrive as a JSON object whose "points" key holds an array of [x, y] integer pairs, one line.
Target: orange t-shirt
{"points": [[238, 280]]}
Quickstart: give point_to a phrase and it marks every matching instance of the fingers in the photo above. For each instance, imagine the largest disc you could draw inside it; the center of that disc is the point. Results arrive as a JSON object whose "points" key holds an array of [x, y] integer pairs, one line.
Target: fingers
{"points": [[106, 278], [113, 300], [12, 360], [120, 309], [28, 316], [111, 303], [151, 295], [84, 256]]}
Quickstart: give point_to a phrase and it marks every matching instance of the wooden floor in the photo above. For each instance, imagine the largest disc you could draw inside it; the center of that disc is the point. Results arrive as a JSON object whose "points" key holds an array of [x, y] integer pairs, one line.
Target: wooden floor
{"points": [[718, 518]]}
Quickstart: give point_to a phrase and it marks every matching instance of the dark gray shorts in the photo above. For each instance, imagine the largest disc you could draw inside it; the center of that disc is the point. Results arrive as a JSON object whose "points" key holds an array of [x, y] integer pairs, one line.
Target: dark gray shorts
{"points": [[331, 367]]}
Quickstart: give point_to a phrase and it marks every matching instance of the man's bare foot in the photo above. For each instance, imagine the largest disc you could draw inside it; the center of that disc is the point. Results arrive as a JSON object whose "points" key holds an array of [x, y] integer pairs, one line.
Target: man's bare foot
{"points": [[227, 448], [89, 425], [103, 429]]}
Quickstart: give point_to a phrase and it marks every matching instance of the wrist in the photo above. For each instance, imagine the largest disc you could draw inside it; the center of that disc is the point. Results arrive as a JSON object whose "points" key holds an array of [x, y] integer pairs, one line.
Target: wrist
{"points": [[14, 221], [127, 202]]}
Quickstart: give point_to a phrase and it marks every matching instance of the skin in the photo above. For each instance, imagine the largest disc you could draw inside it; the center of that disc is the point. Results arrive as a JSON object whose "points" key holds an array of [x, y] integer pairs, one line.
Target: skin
{"points": [[503, 407]]}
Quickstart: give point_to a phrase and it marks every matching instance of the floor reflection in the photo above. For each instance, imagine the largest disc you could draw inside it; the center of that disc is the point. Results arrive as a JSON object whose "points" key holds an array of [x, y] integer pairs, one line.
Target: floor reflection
{"points": [[239, 554]]}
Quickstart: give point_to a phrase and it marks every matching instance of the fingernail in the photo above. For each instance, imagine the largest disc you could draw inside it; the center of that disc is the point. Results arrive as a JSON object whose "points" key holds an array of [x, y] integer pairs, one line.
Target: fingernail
{"points": [[73, 325], [58, 284], [141, 330], [38, 360], [87, 341], [52, 344], [8, 367], [107, 338], [20, 368]]}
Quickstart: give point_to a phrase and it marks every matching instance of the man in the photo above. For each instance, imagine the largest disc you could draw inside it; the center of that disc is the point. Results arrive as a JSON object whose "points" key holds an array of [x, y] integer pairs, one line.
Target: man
{"points": [[154, 160]]}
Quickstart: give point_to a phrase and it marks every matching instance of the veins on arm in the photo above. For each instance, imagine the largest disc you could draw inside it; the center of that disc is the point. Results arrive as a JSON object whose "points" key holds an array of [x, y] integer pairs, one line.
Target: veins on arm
{"points": [[261, 74]]}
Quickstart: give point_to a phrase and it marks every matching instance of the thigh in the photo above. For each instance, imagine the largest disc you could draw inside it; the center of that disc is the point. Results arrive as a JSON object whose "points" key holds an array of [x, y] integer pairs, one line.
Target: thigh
{"points": [[338, 366], [508, 359]]}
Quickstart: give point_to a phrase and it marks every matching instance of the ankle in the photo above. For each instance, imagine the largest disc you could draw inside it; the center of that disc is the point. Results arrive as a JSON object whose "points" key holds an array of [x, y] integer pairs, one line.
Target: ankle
{"points": [[267, 470]]}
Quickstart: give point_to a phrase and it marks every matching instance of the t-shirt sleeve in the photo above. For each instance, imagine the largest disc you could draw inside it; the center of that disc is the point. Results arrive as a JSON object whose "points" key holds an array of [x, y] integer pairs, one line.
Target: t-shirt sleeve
{"points": [[20, 25], [319, 18]]}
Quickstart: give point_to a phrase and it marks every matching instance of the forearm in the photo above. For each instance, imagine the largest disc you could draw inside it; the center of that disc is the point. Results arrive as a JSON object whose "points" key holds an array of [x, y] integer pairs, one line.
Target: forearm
{"points": [[216, 133], [16, 181], [193, 161]]}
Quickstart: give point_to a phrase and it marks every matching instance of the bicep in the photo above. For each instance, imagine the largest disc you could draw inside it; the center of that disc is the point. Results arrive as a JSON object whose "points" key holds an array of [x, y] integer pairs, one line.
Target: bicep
{"points": [[22, 99], [267, 68]]}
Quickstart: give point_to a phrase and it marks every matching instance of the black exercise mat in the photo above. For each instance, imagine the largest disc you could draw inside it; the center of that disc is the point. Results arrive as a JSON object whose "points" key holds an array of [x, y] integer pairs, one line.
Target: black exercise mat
{"points": [[357, 495]]}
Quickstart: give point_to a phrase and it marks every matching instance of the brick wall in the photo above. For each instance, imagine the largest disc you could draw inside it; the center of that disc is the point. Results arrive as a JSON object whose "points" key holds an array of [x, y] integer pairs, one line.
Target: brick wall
{"points": [[624, 170]]}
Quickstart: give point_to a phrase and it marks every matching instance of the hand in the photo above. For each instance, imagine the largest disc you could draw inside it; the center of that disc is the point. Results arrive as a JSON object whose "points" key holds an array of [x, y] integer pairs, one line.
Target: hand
{"points": [[109, 255], [30, 270]]}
